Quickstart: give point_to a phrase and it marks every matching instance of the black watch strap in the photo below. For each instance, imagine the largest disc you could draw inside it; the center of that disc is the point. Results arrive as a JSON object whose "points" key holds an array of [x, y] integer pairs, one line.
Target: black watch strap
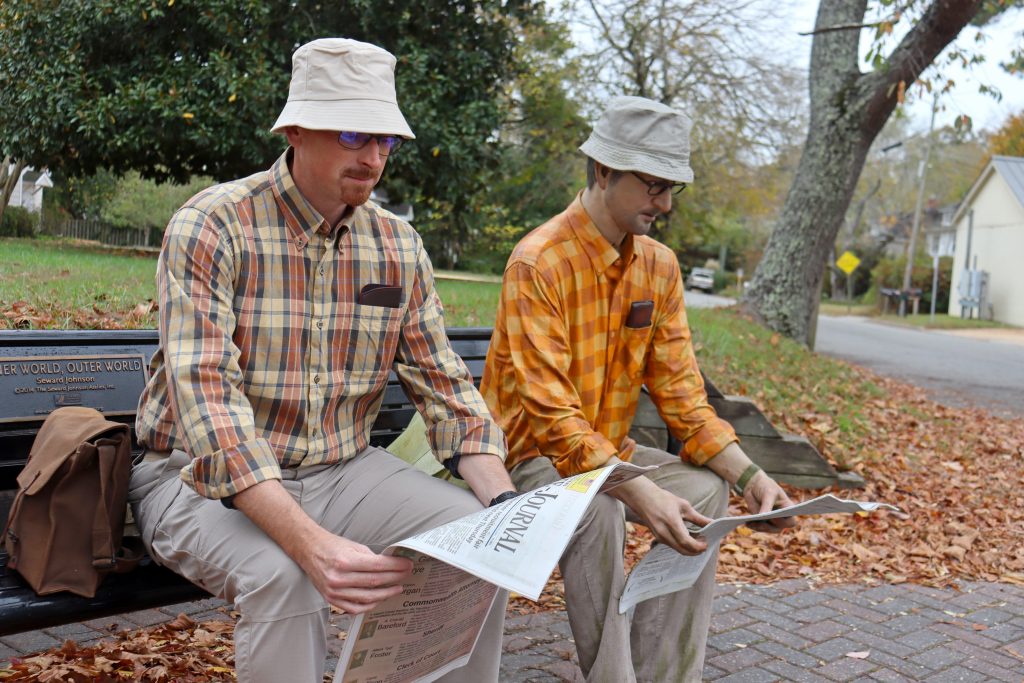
{"points": [[502, 497]]}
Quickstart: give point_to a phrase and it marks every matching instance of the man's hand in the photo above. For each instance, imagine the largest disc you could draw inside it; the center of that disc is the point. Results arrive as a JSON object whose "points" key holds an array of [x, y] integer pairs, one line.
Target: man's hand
{"points": [[351, 576], [763, 494], [663, 513]]}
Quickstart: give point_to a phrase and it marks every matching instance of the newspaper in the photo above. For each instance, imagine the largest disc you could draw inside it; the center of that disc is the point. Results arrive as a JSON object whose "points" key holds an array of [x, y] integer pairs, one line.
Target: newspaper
{"points": [[431, 627], [663, 570]]}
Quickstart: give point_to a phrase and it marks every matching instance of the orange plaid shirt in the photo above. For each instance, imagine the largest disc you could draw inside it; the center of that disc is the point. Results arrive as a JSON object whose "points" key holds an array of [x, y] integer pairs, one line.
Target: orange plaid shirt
{"points": [[564, 370]]}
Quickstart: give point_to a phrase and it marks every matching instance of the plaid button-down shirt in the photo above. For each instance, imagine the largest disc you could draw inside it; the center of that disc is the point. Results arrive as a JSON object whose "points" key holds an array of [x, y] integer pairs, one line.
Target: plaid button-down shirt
{"points": [[564, 368], [267, 361]]}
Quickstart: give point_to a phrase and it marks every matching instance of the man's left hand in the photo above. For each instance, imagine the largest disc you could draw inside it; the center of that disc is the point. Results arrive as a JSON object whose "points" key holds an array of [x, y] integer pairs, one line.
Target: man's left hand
{"points": [[763, 494]]}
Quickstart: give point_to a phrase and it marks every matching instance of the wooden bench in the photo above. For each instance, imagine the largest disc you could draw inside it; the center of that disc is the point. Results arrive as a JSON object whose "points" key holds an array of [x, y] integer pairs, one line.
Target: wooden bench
{"points": [[106, 370]]}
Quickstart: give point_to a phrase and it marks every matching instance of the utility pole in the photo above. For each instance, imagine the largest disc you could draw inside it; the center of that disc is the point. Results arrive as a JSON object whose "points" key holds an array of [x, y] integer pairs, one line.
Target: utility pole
{"points": [[922, 174]]}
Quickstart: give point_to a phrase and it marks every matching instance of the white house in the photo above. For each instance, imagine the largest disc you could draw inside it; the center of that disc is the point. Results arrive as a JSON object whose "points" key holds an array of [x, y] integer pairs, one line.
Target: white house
{"points": [[988, 261], [28, 192]]}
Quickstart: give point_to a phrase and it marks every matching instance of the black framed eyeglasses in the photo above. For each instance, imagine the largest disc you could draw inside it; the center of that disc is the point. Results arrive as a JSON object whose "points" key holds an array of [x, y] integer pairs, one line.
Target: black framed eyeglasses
{"points": [[387, 144], [656, 187]]}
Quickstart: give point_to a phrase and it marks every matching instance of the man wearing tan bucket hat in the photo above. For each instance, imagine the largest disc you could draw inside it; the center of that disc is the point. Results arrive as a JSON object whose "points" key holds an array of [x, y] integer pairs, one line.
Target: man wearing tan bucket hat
{"points": [[591, 309], [286, 299]]}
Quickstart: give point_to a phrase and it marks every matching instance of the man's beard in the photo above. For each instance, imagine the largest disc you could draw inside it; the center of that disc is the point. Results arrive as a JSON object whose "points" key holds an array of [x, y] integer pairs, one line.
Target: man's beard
{"points": [[358, 195], [353, 197]]}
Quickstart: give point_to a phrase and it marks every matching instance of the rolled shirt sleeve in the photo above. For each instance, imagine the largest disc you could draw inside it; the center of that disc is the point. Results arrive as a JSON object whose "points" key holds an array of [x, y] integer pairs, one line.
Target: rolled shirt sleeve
{"points": [[204, 380]]}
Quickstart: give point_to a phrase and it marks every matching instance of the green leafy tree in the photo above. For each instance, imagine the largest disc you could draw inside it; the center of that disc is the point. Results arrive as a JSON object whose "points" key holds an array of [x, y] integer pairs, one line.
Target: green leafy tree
{"points": [[171, 89], [540, 167]]}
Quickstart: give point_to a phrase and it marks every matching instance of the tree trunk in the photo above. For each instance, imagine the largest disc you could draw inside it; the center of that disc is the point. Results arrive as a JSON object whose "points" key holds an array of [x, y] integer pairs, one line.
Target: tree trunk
{"points": [[848, 110], [10, 172]]}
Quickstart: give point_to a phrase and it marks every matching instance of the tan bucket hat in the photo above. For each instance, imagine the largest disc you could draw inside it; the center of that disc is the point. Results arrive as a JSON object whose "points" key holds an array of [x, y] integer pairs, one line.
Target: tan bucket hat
{"points": [[638, 134], [343, 84]]}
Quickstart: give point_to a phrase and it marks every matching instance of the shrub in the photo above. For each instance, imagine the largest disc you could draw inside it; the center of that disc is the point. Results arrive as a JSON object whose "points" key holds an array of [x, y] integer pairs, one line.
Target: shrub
{"points": [[18, 222], [889, 274]]}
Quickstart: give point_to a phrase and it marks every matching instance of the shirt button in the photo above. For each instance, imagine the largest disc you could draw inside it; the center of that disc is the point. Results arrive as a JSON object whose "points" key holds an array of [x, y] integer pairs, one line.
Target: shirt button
{"points": [[320, 324], [322, 270], [313, 433], [316, 379]]}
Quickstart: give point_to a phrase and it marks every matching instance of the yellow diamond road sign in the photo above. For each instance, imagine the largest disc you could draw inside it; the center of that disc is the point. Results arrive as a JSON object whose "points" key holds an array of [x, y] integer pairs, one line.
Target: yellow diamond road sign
{"points": [[848, 262]]}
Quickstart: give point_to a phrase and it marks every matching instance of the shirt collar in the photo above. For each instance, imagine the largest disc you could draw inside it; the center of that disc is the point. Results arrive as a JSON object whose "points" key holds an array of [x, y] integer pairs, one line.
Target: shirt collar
{"points": [[604, 257], [300, 216]]}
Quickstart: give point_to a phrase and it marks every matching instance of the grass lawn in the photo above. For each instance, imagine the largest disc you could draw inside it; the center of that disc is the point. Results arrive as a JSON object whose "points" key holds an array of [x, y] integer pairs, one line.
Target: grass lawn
{"points": [[50, 284], [839, 308], [56, 284], [941, 321]]}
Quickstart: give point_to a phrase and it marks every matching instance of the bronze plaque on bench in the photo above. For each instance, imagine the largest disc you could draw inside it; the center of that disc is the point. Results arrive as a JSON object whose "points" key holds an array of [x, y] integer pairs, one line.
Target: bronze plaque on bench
{"points": [[33, 386]]}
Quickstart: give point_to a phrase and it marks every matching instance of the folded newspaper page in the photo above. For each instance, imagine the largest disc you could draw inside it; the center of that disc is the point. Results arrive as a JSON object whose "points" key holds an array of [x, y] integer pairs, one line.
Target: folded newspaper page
{"points": [[431, 627], [663, 570]]}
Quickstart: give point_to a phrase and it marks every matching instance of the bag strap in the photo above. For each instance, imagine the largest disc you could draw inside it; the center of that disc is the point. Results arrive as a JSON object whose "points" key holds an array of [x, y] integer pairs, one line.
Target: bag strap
{"points": [[104, 554]]}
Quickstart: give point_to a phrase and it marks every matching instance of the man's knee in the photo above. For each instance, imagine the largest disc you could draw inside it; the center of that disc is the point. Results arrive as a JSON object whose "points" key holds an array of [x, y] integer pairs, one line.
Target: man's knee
{"points": [[710, 494], [278, 589]]}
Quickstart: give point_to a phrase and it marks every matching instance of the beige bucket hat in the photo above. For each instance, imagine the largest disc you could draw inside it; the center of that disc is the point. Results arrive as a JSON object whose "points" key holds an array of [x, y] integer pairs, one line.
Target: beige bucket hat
{"points": [[343, 84], [638, 134]]}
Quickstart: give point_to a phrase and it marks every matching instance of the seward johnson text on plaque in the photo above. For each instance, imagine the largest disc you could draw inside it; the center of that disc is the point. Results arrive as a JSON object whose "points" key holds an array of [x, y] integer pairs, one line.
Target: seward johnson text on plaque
{"points": [[36, 385]]}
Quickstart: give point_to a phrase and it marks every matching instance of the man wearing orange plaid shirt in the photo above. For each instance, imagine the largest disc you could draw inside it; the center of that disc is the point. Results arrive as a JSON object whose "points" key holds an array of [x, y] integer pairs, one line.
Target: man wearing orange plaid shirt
{"points": [[591, 309]]}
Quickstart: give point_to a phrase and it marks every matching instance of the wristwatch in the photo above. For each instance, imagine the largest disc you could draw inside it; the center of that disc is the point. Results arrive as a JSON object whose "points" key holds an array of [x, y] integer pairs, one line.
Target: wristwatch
{"points": [[502, 497]]}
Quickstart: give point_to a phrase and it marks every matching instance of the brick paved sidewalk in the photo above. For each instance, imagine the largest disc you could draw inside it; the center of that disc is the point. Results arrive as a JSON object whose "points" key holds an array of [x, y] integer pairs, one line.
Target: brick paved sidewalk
{"points": [[787, 631], [791, 631]]}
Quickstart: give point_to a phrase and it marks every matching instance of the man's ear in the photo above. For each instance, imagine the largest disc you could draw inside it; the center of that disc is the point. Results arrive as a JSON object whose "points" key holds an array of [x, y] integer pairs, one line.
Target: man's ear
{"points": [[602, 173], [294, 135]]}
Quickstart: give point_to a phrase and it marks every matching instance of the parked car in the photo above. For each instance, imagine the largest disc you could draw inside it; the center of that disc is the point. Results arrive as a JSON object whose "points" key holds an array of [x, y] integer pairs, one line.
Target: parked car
{"points": [[702, 279]]}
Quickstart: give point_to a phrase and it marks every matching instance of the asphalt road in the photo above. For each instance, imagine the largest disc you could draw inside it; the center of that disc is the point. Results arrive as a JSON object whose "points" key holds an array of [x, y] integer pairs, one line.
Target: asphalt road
{"points": [[954, 370]]}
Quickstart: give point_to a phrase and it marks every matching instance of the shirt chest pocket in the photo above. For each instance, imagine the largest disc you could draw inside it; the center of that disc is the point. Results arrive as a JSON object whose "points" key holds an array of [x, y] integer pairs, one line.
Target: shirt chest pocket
{"points": [[370, 335]]}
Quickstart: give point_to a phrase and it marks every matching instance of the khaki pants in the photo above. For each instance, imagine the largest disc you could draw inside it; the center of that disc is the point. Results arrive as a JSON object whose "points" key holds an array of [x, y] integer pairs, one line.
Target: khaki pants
{"points": [[374, 499], [667, 638]]}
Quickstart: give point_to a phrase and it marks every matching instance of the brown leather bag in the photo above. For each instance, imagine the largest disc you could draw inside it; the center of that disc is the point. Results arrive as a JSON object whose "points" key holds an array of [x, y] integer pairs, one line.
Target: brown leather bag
{"points": [[65, 527]]}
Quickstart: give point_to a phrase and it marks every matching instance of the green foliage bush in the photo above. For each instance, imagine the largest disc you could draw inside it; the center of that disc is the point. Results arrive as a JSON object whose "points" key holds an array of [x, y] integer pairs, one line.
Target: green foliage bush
{"points": [[889, 274], [17, 222]]}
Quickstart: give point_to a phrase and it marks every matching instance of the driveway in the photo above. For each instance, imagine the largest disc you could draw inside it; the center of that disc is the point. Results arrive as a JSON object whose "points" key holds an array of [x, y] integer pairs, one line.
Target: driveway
{"points": [[961, 369], [695, 298]]}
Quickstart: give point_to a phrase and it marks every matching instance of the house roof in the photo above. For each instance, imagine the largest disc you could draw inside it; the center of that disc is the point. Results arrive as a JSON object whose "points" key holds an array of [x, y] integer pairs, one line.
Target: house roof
{"points": [[1012, 171]]}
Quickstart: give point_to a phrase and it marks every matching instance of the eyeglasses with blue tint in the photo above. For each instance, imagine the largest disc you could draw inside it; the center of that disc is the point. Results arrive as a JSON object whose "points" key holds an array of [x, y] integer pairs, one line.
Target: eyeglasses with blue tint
{"points": [[387, 144], [656, 187]]}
